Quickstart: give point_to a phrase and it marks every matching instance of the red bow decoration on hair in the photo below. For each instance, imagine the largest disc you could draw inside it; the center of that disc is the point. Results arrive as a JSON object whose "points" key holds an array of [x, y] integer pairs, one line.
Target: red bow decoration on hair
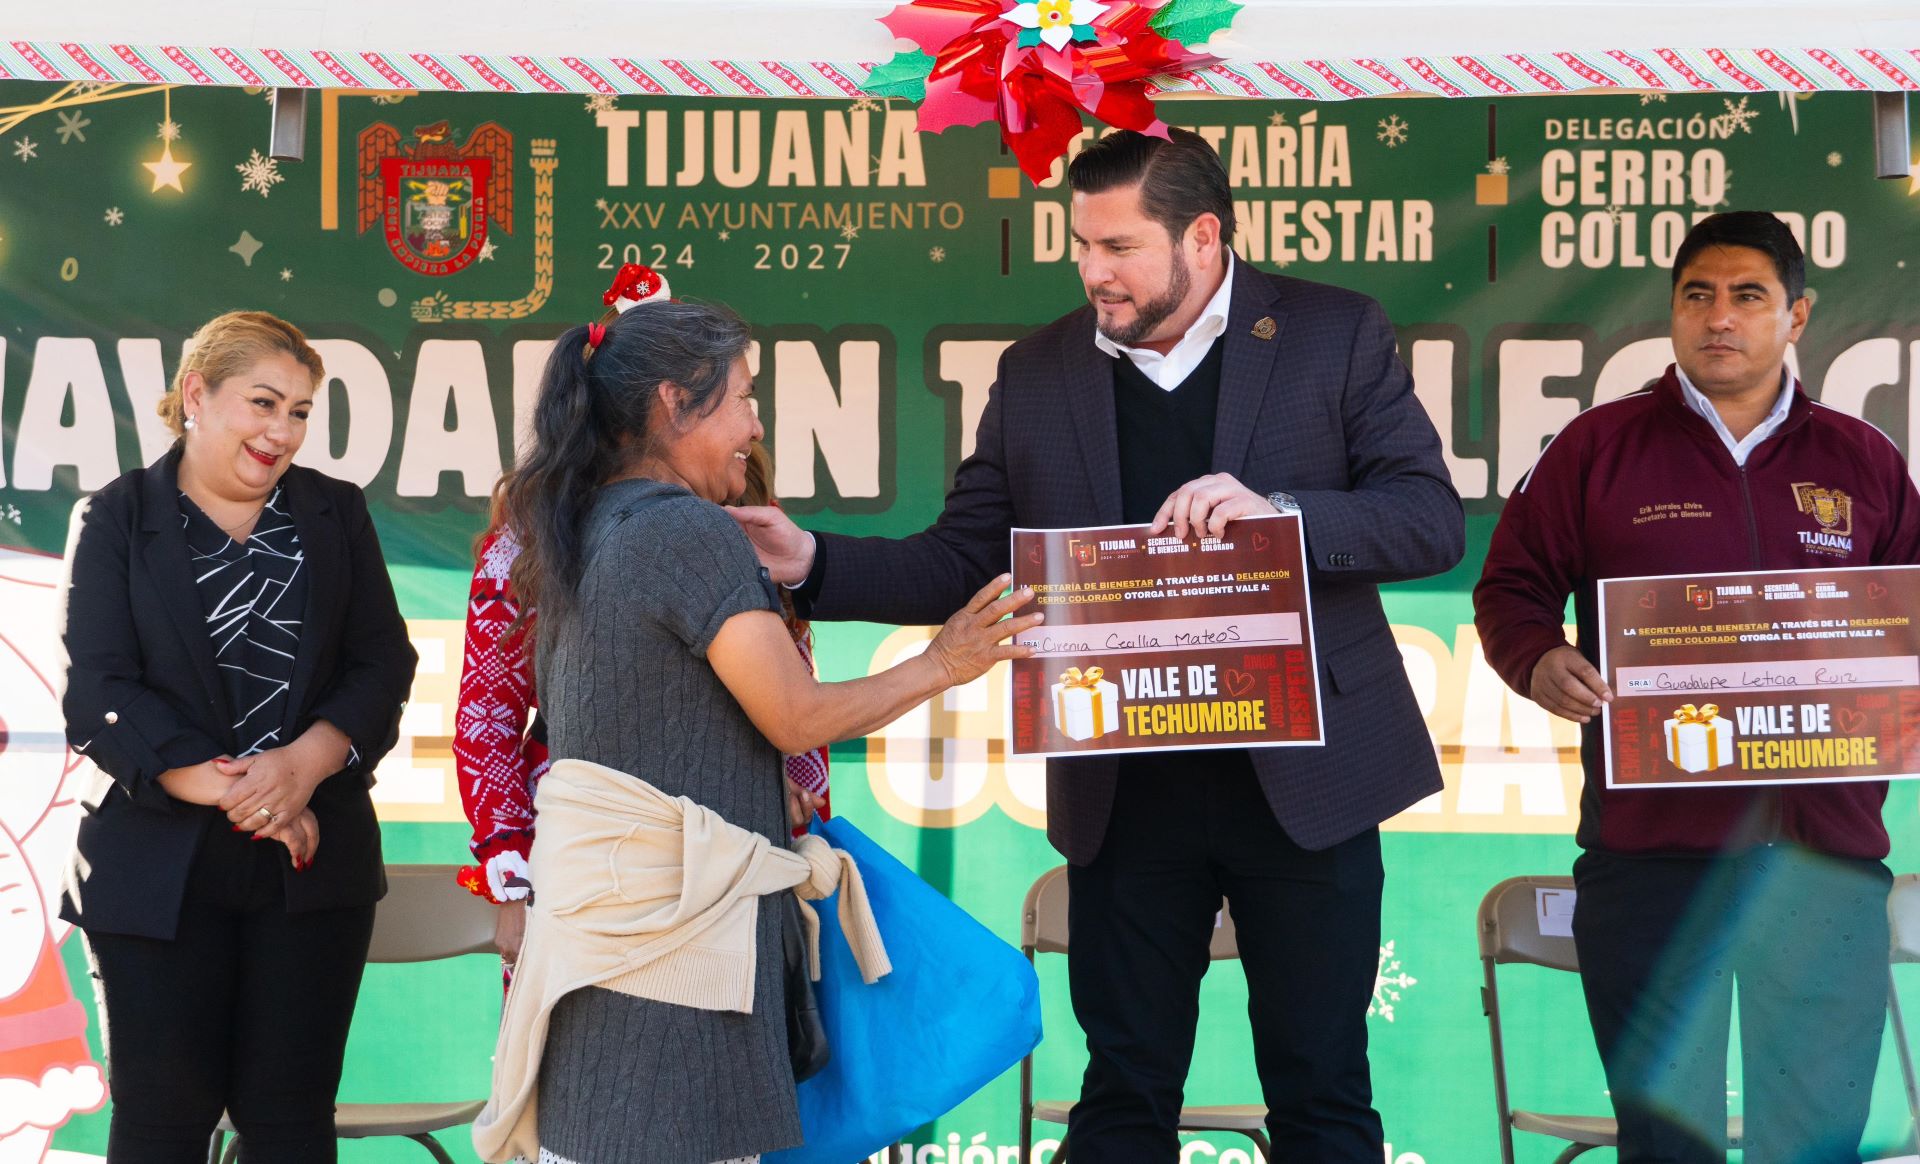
{"points": [[632, 281], [986, 66]]}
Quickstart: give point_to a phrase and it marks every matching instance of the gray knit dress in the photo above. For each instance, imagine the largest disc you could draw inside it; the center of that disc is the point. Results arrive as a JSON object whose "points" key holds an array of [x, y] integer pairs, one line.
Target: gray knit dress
{"points": [[624, 681]]}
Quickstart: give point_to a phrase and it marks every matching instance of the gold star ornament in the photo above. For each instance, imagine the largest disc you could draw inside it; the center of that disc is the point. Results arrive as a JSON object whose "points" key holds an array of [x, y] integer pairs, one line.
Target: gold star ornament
{"points": [[167, 171]]}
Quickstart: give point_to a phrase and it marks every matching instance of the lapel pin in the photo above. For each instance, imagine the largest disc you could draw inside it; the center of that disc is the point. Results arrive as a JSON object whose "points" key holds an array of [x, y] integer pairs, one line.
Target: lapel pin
{"points": [[1263, 328]]}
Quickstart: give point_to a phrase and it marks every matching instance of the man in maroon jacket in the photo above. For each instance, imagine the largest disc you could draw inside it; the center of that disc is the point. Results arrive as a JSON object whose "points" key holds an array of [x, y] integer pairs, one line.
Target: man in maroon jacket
{"points": [[1681, 891]]}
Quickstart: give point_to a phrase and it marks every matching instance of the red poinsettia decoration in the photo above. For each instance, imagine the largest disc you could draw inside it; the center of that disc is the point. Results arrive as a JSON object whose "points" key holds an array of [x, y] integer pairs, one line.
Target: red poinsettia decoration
{"points": [[1036, 65]]}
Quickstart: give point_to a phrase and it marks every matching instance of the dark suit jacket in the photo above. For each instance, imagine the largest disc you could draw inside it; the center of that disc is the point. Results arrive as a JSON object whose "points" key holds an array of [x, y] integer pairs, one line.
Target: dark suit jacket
{"points": [[1323, 410], [142, 695]]}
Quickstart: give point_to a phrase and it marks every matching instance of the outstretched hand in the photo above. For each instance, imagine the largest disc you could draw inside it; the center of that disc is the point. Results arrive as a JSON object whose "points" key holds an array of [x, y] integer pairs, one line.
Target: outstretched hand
{"points": [[975, 638]]}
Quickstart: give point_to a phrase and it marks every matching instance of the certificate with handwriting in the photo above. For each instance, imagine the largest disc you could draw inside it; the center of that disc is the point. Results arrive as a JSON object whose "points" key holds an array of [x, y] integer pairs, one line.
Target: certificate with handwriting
{"points": [[1159, 643], [1778, 677]]}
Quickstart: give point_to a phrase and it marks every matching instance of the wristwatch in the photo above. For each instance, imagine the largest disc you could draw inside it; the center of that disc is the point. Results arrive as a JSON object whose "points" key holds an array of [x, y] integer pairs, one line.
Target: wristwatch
{"points": [[1283, 502]]}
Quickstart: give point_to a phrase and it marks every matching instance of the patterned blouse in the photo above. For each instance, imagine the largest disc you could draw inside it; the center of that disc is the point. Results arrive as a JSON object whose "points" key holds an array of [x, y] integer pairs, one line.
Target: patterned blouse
{"points": [[498, 762], [254, 594]]}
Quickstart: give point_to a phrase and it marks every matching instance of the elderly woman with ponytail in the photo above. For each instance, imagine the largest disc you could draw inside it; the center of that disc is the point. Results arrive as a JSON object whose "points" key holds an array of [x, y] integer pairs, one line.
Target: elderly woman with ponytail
{"points": [[236, 665], [661, 654]]}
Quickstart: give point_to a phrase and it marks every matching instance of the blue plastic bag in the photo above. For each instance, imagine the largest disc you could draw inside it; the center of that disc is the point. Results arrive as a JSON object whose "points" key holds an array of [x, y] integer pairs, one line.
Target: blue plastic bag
{"points": [[960, 1007]]}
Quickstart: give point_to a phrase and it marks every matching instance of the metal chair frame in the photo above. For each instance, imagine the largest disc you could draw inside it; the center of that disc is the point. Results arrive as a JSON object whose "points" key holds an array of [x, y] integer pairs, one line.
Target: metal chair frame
{"points": [[426, 916], [1509, 932], [1043, 930]]}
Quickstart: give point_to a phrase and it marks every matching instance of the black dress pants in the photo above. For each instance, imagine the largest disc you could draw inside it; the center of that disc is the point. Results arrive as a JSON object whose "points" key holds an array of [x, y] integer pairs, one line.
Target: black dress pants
{"points": [[1662, 942], [1141, 917], [246, 1010]]}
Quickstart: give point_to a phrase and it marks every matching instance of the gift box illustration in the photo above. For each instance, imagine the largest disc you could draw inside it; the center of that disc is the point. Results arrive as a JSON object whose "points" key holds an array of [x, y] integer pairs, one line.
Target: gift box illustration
{"points": [[1698, 740], [1085, 706]]}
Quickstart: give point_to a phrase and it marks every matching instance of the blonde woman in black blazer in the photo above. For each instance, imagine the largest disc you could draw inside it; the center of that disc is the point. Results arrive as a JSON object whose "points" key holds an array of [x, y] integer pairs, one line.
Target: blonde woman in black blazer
{"points": [[236, 665]]}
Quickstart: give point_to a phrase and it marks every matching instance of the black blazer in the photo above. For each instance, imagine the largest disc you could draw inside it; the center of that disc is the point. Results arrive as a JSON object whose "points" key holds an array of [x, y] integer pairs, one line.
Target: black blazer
{"points": [[1324, 410], [142, 695]]}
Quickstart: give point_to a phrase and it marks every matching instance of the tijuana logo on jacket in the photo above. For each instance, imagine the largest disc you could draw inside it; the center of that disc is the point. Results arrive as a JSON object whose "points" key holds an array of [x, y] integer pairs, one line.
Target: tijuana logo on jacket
{"points": [[1833, 509]]}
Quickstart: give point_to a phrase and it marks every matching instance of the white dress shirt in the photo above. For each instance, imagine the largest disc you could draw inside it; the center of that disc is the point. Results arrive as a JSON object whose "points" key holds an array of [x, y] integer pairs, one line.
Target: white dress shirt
{"points": [[1170, 370], [1697, 401]]}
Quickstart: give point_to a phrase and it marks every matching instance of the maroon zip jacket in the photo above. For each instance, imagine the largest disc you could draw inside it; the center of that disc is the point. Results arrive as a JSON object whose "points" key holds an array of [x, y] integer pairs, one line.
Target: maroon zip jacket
{"points": [[1571, 522]]}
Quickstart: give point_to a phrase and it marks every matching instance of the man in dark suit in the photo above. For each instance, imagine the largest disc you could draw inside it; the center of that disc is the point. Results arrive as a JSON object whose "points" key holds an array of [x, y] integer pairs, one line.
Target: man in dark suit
{"points": [[1191, 391]]}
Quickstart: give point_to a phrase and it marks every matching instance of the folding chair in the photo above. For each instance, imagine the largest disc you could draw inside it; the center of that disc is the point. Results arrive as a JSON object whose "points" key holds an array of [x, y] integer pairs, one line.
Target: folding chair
{"points": [[1043, 930], [425, 916], [1509, 925]]}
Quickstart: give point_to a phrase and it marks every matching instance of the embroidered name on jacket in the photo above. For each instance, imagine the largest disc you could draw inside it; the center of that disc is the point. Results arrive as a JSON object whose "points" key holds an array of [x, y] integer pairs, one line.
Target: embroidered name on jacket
{"points": [[1833, 510]]}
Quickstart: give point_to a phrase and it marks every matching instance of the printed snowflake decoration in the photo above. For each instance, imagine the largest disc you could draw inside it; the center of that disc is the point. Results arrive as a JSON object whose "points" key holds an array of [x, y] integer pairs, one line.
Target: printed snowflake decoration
{"points": [[1736, 117], [25, 149], [600, 204], [1651, 98], [1393, 131], [286, 274], [601, 103], [70, 126], [1278, 117], [938, 254], [849, 232], [12, 514], [168, 130], [1389, 983], [1613, 212], [1056, 23], [864, 105], [115, 216], [1499, 166], [258, 173], [1834, 159]]}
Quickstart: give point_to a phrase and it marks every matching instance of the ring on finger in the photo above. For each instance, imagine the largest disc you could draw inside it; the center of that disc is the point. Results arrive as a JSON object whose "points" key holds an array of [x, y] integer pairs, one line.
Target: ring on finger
{"points": [[269, 814]]}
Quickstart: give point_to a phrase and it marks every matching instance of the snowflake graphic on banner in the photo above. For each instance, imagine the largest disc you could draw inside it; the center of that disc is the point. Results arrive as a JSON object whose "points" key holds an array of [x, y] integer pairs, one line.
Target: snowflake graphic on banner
{"points": [[601, 103], [1389, 983], [25, 149], [71, 125], [1393, 131], [1737, 117], [1499, 166], [258, 173]]}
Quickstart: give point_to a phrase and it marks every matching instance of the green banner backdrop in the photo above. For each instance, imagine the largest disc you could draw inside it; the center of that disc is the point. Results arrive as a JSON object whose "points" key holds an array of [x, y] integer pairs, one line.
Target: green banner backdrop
{"points": [[434, 245]]}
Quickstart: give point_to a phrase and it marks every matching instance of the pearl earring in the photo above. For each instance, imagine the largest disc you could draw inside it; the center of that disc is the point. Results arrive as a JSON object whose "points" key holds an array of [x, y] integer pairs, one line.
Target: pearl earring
{"points": [[189, 422]]}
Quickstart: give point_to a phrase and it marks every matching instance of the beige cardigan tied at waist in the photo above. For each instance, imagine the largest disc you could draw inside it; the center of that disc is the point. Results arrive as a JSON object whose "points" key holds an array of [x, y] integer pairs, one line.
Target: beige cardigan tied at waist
{"points": [[654, 896]]}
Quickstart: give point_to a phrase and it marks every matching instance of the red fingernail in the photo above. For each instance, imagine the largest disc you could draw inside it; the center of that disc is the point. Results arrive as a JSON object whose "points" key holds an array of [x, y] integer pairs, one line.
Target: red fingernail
{"points": [[236, 828], [254, 837]]}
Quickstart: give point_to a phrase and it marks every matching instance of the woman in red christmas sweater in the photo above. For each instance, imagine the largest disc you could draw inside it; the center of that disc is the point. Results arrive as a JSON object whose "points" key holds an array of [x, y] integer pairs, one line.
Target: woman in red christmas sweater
{"points": [[499, 746]]}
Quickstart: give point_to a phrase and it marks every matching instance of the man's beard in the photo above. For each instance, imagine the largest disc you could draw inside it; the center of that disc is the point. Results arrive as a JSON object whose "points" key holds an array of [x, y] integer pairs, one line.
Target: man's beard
{"points": [[1151, 314]]}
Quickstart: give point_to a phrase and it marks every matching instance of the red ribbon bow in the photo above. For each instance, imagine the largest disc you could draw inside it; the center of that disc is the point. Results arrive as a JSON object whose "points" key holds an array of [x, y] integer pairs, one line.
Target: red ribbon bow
{"points": [[596, 335], [632, 281]]}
